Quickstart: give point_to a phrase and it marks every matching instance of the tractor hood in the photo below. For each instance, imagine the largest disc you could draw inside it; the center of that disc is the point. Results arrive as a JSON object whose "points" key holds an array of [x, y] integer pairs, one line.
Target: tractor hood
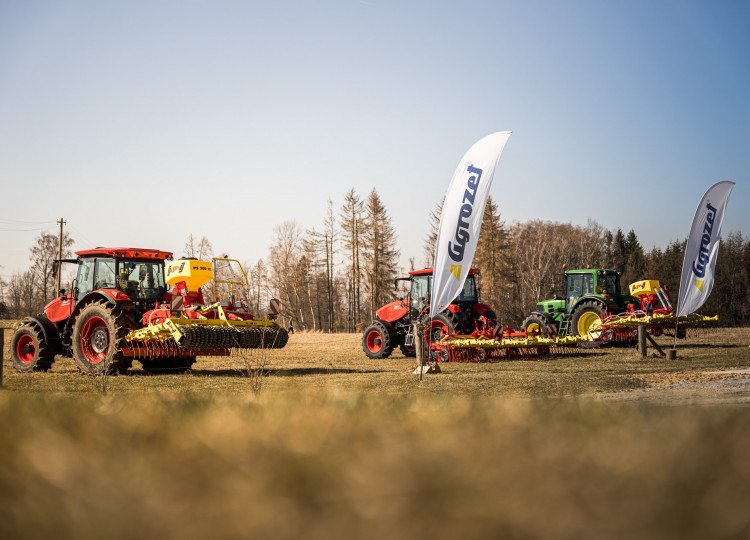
{"points": [[393, 311]]}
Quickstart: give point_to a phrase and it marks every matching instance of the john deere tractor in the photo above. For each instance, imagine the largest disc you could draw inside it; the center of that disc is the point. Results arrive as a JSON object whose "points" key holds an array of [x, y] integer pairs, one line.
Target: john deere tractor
{"points": [[587, 295]]}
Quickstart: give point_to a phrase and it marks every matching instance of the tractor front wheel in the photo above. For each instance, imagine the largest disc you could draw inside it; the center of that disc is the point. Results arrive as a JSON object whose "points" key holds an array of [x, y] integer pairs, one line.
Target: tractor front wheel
{"points": [[536, 324], [587, 322], [410, 351], [29, 351], [378, 341], [98, 336]]}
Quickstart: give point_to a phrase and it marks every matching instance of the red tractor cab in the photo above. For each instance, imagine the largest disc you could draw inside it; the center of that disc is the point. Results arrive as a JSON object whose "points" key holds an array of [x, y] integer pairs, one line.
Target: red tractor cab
{"points": [[394, 322]]}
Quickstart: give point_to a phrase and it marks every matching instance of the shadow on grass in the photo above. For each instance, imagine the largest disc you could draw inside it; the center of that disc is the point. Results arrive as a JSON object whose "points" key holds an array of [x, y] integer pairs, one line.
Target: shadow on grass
{"points": [[684, 345], [269, 372]]}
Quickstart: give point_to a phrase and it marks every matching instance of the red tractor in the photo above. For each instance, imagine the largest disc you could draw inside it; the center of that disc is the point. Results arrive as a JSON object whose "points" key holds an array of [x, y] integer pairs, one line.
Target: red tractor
{"points": [[121, 308], [394, 322]]}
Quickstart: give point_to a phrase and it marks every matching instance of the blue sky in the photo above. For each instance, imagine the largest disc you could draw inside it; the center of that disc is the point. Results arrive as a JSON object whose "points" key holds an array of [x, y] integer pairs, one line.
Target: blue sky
{"points": [[143, 122]]}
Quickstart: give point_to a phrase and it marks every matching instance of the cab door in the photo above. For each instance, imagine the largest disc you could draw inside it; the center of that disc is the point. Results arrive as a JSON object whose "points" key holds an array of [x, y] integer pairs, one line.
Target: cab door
{"points": [[419, 297]]}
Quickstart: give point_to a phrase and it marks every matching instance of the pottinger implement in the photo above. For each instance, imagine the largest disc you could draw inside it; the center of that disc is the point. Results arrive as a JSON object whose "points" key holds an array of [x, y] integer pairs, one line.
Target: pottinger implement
{"points": [[658, 320], [203, 329]]}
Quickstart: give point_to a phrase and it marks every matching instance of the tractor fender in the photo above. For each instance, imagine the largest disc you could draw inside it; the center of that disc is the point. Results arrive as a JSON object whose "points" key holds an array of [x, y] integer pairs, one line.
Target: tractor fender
{"points": [[481, 309], [457, 312], [545, 316], [51, 335], [111, 296]]}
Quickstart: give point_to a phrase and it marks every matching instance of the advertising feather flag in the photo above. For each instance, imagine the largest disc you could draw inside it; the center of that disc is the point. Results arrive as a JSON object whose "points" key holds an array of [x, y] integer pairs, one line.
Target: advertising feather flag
{"points": [[697, 278], [461, 218]]}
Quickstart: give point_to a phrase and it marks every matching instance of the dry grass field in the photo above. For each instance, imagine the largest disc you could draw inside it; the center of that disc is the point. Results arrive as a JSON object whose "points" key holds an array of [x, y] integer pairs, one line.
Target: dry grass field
{"points": [[335, 445]]}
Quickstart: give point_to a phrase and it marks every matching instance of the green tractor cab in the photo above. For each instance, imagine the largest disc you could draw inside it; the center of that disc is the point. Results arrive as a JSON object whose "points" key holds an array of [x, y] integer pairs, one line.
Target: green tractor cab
{"points": [[587, 296]]}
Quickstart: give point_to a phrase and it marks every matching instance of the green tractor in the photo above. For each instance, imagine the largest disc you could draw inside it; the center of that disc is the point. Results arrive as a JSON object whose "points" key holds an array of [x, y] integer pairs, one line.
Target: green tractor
{"points": [[590, 294]]}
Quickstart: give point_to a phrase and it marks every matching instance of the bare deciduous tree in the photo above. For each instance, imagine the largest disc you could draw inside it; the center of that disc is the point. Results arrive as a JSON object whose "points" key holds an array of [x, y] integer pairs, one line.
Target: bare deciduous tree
{"points": [[43, 255]]}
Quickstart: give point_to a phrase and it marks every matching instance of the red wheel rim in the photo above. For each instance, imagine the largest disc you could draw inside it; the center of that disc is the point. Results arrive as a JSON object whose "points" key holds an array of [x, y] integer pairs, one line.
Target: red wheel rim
{"points": [[436, 331], [23, 356], [374, 341], [95, 340]]}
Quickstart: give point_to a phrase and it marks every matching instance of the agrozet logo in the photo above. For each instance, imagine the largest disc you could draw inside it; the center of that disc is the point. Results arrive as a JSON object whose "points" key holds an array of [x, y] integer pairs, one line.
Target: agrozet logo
{"points": [[701, 261]]}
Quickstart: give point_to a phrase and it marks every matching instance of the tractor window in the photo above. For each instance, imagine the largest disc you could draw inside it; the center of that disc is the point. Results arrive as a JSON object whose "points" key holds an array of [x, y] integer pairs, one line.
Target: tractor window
{"points": [[575, 288], [588, 284], [141, 280], [85, 279], [608, 284], [420, 294], [105, 274], [469, 291]]}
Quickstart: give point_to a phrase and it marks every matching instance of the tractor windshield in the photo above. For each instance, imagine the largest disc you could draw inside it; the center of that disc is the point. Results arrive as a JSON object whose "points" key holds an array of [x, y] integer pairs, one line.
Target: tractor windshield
{"points": [[141, 280]]}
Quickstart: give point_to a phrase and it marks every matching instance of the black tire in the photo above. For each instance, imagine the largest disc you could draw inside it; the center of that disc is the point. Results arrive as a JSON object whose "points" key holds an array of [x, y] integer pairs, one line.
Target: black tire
{"points": [[378, 340], [410, 351], [169, 365], [29, 351], [536, 322], [580, 323], [98, 337]]}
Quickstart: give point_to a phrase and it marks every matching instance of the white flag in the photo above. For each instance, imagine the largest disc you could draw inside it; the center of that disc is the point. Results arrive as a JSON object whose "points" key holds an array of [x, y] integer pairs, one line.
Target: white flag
{"points": [[461, 218], [702, 247]]}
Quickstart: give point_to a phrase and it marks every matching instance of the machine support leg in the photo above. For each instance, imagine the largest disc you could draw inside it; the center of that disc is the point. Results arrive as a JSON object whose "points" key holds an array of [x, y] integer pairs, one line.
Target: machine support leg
{"points": [[655, 345], [642, 346]]}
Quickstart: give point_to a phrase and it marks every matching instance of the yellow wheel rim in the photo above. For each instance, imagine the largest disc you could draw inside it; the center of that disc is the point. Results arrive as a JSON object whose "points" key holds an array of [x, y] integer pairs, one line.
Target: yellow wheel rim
{"points": [[595, 330], [533, 327], [589, 325]]}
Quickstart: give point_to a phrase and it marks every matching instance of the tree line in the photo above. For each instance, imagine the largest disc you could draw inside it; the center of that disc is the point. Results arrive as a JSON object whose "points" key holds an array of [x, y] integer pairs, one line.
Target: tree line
{"points": [[335, 276]]}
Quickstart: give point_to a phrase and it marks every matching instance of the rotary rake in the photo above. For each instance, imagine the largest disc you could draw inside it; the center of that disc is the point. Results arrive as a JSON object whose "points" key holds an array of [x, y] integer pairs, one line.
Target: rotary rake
{"points": [[501, 343], [623, 327]]}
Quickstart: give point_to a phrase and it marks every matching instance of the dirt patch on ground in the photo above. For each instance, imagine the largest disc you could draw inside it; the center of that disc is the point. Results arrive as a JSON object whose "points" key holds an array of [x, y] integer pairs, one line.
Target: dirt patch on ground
{"points": [[720, 388]]}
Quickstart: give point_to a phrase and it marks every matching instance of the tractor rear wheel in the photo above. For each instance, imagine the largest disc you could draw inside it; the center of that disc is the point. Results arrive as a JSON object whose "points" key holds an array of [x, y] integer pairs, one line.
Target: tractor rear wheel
{"points": [[442, 324], [587, 322], [378, 340], [98, 337], [536, 323], [29, 351]]}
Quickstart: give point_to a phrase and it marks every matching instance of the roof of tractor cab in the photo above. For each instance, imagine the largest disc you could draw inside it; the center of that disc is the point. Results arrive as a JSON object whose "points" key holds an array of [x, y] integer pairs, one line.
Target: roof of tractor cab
{"points": [[589, 270], [428, 272], [125, 253]]}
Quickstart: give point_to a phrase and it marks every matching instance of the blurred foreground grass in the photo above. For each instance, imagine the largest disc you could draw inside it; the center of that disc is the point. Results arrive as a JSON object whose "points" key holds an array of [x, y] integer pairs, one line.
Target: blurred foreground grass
{"points": [[337, 446], [350, 465]]}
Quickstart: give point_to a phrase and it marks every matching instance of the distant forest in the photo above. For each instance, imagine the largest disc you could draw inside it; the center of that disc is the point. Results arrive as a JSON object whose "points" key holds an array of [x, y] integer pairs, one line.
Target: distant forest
{"points": [[334, 277]]}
